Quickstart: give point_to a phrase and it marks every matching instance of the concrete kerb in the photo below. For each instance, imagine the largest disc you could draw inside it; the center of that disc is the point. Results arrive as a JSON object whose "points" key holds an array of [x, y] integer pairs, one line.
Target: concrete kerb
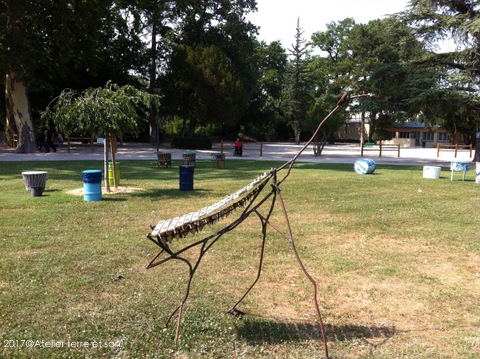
{"points": [[276, 151]]}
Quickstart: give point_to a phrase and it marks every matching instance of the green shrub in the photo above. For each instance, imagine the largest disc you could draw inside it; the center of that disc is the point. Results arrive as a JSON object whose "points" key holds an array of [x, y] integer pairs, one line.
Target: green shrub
{"points": [[199, 143], [382, 135]]}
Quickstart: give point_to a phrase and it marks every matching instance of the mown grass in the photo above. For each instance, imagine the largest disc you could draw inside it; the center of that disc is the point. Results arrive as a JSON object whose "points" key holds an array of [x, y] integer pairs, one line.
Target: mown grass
{"points": [[396, 258]]}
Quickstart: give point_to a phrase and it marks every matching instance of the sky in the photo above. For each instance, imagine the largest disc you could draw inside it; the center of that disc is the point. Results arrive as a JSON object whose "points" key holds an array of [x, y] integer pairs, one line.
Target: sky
{"points": [[278, 18]]}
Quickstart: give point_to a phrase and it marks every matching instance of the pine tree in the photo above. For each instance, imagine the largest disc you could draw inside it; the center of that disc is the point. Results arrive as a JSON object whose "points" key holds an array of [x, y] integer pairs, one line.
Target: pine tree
{"points": [[298, 83]]}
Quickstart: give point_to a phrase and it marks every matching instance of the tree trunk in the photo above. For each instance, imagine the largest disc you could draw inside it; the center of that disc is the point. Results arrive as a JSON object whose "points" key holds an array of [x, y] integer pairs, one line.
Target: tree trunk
{"points": [[105, 163], [319, 144], [153, 75], [191, 127], [362, 128], [19, 115], [114, 164], [297, 132]]}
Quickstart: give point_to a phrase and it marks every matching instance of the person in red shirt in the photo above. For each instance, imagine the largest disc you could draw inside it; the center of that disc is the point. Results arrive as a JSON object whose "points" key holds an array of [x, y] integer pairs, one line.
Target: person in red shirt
{"points": [[238, 147]]}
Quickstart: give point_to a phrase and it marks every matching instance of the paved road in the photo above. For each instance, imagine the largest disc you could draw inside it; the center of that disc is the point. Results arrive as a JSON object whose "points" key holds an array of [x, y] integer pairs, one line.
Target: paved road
{"points": [[338, 153]]}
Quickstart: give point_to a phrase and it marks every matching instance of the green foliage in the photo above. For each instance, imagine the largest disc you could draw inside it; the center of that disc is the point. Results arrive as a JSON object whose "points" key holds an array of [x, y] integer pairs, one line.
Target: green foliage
{"points": [[201, 87], [198, 143], [264, 119], [298, 85], [458, 20], [381, 135], [211, 74], [111, 110], [74, 44]]}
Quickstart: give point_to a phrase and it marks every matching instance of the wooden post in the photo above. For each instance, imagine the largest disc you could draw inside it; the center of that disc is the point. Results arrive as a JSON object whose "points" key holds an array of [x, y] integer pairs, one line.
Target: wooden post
{"points": [[380, 155], [361, 152], [456, 150], [68, 144], [261, 149], [438, 150], [398, 150], [114, 164], [470, 150]]}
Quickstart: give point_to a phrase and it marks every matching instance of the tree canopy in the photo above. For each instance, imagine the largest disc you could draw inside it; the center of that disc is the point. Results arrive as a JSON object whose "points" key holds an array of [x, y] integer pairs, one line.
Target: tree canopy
{"points": [[459, 20], [203, 58]]}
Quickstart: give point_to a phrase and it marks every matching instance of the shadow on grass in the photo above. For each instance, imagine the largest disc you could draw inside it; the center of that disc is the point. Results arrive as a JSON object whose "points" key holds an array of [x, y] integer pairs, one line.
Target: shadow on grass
{"points": [[170, 193], [259, 331], [111, 198]]}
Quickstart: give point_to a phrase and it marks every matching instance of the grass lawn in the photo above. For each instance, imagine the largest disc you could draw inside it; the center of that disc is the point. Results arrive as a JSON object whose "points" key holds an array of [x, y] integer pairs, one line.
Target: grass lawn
{"points": [[396, 258]]}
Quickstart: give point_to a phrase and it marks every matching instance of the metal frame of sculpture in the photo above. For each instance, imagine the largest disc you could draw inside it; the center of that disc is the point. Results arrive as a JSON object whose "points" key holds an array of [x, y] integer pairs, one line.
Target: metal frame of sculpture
{"points": [[250, 200]]}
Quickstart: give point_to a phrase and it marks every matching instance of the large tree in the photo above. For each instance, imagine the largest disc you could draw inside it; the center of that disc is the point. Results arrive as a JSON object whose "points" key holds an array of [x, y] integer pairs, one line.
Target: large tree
{"points": [[379, 58], [436, 20], [210, 73], [155, 20], [47, 46], [200, 88], [265, 118]]}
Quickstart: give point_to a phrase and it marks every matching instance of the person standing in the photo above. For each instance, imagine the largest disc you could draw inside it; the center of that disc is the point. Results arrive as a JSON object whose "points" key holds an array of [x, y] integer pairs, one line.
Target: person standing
{"points": [[50, 137], [41, 139]]}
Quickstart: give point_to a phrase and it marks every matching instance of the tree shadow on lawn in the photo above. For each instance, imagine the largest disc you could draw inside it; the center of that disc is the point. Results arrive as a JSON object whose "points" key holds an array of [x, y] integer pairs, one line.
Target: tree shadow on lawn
{"points": [[170, 193], [258, 331]]}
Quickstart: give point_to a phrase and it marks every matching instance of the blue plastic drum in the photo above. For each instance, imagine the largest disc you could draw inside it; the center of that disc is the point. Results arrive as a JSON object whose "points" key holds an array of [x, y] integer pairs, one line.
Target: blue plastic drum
{"points": [[364, 166], [186, 178], [92, 185]]}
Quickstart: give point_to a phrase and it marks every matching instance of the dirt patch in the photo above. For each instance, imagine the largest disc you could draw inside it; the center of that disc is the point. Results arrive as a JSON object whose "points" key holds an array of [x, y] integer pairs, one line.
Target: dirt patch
{"points": [[79, 191]]}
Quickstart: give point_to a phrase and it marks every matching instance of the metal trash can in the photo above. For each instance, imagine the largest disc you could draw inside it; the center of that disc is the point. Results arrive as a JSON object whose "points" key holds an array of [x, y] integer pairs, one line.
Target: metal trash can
{"points": [[110, 173], [186, 177], [92, 185], [35, 182]]}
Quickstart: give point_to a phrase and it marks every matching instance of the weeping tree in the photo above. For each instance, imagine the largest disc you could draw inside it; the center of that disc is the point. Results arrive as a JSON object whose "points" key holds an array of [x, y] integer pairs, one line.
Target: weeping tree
{"points": [[109, 110]]}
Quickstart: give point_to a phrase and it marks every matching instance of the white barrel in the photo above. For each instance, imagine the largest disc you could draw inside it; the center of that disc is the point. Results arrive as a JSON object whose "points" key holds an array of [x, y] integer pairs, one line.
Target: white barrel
{"points": [[364, 166], [431, 171], [477, 171]]}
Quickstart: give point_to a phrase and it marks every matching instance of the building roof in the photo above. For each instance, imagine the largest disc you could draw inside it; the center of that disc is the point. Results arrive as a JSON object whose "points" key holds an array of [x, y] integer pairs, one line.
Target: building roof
{"points": [[415, 124], [411, 124]]}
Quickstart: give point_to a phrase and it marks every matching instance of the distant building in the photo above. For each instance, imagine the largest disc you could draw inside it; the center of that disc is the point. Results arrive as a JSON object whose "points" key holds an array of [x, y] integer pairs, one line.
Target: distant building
{"points": [[408, 134], [416, 134], [350, 131]]}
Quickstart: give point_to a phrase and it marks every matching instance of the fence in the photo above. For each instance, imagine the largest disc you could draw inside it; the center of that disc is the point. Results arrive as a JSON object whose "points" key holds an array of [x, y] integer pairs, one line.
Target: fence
{"points": [[456, 147], [247, 148], [380, 148]]}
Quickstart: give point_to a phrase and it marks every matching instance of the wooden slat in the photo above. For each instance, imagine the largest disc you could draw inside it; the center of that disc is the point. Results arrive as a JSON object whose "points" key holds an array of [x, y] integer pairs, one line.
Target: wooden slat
{"points": [[172, 225], [165, 226], [193, 222]]}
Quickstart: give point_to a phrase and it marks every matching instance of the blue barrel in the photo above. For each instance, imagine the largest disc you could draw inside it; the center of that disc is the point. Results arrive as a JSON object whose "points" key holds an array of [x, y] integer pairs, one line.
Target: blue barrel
{"points": [[92, 185], [364, 166], [186, 178]]}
